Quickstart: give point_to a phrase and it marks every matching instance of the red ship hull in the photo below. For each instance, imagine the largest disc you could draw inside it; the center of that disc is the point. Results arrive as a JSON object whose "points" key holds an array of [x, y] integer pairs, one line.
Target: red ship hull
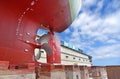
{"points": [[20, 20]]}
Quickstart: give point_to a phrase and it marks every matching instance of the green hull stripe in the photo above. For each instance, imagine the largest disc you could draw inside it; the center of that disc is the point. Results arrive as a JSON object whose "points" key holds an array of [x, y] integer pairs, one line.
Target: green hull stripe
{"points": [[75, 6]]}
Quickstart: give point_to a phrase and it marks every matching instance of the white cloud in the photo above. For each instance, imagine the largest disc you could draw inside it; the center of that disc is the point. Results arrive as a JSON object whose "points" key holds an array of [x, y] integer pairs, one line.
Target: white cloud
{"points": [[99, 5], [89, 28], [115, 4], [89, 2], [106, 52], [67, 31], [96, 27], [111, 41]]}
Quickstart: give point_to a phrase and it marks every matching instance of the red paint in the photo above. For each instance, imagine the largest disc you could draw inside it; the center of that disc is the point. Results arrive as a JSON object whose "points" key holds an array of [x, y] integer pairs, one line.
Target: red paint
{"points": [[19, 22], [4, 65], [55, 57]]}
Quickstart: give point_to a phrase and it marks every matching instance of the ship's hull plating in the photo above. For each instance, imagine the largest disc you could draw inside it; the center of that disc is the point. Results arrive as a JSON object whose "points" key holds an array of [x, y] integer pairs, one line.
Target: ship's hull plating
{"points": [[20, 20]]}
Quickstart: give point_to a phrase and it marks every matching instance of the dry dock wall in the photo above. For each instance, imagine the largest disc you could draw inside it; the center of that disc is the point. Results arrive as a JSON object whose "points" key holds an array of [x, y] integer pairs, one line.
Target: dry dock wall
{"points": [[97, 72], [47, 71], [84, 73], [72, 72], [18, 76], [113, 72], [50, 71], [25, 71]]}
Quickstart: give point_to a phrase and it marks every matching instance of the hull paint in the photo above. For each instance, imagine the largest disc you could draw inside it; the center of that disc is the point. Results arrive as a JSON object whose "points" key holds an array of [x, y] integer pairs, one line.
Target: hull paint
{"points": [[19, 22]]}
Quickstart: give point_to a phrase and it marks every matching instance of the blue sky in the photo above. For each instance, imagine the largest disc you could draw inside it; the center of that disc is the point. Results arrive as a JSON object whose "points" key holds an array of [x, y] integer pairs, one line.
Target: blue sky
{"points": [[96, 30]]}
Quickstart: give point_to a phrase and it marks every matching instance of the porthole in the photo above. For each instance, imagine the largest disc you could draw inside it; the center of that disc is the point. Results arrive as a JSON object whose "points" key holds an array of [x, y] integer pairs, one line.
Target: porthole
{"points": [[73, 57], [66, 56]]}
